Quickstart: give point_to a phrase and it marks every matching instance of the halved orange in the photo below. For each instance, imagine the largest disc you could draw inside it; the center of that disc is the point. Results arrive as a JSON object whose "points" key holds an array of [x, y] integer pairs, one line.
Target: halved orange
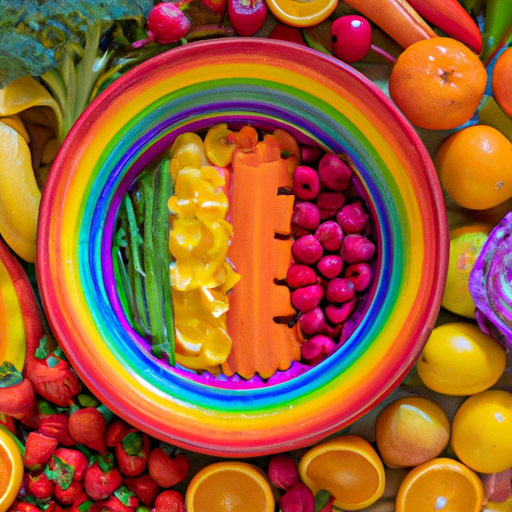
{"points": [[346, 466], [230, 487], [440, 484], [11, 469]]}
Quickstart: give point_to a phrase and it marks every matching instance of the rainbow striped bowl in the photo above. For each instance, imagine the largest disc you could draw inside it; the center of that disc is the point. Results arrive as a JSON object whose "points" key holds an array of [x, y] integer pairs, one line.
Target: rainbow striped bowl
{"points": [[318, 99]]}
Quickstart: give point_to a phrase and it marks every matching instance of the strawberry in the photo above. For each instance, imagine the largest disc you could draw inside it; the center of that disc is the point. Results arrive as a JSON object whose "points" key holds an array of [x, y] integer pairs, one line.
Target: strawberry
{"points": [[247, 16], [69, 493], [144, 487], [40, 486], [102, 479], [87, 426], [167, 471], [169, 501], [18, 400], [38, 450], [115, 432], [80, 500], [73, 458], [24, 506], [132, 454], [56, 426], [122, 501]]}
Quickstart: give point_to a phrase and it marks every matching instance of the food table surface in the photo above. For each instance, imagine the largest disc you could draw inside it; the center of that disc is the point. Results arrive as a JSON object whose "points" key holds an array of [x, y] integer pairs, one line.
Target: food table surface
{"points": [[182, 470]]}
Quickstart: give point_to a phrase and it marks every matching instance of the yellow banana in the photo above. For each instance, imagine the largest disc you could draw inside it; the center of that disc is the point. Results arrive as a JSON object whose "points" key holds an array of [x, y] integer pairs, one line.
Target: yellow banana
{"points": [[19, 194], [12, 330]]}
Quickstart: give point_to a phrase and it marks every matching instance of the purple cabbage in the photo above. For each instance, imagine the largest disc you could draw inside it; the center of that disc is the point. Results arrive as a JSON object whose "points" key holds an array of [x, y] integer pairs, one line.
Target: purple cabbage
{"points": [[490, 283]]}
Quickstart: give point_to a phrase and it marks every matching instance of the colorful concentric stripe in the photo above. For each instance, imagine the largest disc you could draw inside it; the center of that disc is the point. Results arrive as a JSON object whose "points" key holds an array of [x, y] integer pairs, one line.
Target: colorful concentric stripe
{"points": [[317, 99]]}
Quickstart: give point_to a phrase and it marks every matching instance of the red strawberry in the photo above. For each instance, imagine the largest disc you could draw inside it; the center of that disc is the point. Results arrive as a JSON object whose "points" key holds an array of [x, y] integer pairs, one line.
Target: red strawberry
{"points": [[82, 498], [38, 450], [56, 426], [116, 505], [77, 460], [115, 432], [166, 471], [24, 506], [247, 16], [40, 486], [100, 484], [132, 454], [169, 501], [144, 487], [87, 426], [68, 495], [18, 400]]}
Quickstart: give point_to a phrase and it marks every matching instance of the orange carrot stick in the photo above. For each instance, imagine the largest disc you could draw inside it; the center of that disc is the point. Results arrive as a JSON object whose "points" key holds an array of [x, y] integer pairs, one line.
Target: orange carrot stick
{"points": [[260, 345], [397, 18]]}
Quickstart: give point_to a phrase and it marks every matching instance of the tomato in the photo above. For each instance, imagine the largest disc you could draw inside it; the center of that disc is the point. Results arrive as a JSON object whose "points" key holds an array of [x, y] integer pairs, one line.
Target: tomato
{"points": [[459, 359], [481, 431]]}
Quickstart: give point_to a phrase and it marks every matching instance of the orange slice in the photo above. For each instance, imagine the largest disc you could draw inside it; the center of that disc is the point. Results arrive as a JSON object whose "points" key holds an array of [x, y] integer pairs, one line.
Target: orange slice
{"points": [[440, 485], [346, 466], [302, 13], [11, 470], [230, 487]]}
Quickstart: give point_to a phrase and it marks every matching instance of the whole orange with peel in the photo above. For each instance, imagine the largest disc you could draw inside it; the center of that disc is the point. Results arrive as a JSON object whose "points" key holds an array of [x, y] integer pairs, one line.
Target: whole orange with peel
{"points": [[437, 83], [475, 167], [501, 81]]}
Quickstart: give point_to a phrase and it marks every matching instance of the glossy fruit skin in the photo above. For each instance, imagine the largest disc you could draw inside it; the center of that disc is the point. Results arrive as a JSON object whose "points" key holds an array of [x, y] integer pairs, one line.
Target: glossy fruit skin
{"points": [[167, 23], [247, 17], [481, 431], [437, 83], [475, 167], [411, 431], [465, 246], [459, 359], [501, 81], [351, 38]]}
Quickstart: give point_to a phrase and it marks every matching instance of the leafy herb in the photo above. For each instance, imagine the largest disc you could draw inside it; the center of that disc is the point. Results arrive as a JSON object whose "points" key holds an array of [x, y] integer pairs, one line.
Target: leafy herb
{"points": [[9, 376]]}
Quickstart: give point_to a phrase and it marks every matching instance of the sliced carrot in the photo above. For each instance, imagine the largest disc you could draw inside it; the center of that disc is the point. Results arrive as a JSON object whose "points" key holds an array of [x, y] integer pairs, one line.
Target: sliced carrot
{"points": [[260, 345], [290, 150]]}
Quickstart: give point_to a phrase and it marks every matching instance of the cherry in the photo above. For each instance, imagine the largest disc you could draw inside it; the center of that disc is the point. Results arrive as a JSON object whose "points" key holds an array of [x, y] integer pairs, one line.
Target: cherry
{"points": [[351, 38]]}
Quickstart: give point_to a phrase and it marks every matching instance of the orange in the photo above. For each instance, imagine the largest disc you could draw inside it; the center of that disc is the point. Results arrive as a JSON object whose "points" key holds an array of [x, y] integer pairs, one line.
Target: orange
{"points": [[410, 431], [11, 469], [437, 83], [230, 487], [459, 360], [465, 245], [440, 484], [475, 167], [481, 431], [501, 81], [348, 467]]}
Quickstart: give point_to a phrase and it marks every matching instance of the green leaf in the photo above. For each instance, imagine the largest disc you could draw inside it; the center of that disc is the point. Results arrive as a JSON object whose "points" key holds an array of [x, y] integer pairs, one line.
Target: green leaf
{"points": [[43, 349], [61, 474], [33, 33], [87, 401], [85, 506], [46, 408], [105, 462], [321, 499], [124, 495], [106, 413], [132, 443], [9, 376]]}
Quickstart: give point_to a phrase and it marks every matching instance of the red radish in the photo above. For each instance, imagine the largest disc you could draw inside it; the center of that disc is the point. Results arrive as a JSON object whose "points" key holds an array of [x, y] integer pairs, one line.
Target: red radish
{"points": [[307, 298], [351, 38], [100, 484], [330, 266], [360, 274], [339, 290], [298, 498], [216, 6], [247, 16], [312, 321], [306, 215], [300, 275], [352, 218], [38, 450], [144, 487], [330, 235], [334, 173], [74, 458], [282, 471], [132, 454], [17, 400], [70, 494], [56, 426], [306, 182], [167, 24], [115, 432], [167, 471], [40, 486], [169, 501], [87, 426], [307, 249], [356, 248]]}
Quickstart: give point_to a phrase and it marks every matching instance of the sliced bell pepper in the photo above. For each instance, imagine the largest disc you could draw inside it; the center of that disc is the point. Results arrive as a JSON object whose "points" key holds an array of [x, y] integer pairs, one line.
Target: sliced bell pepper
{"points": [[497, 29]]}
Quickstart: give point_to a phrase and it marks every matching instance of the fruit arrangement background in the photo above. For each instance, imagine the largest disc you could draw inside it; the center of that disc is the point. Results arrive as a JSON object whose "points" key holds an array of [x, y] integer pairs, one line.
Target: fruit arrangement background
{"points": [[67, 415]]}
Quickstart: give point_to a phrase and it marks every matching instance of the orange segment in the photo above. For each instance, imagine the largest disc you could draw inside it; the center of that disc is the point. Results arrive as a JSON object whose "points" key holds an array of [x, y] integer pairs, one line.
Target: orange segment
{"points": [[440, 485], [348, 467], [230, 487]]}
